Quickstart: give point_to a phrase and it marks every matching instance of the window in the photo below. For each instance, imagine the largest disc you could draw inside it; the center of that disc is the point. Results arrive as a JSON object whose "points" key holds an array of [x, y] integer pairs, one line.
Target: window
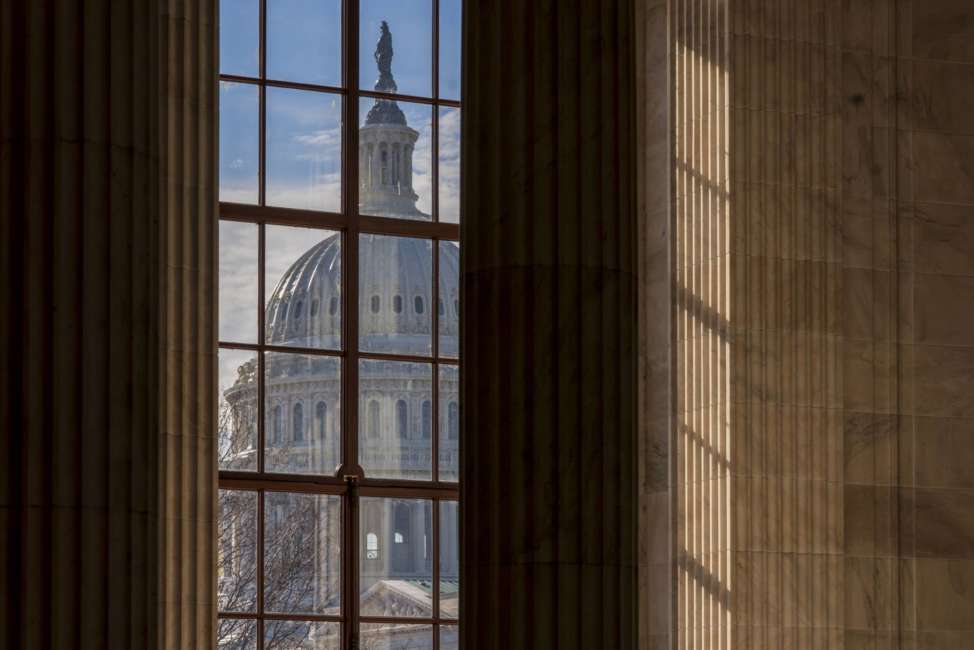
{"points": [[321, 420], [402, 420], [339, 184], [454, 422], [297, 421], [427, 424], [373, 425], [278, 423]]}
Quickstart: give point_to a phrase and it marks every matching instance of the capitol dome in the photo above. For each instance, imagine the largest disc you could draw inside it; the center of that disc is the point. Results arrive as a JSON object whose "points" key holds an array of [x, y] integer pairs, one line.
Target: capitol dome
{"points": [[395, 297]]}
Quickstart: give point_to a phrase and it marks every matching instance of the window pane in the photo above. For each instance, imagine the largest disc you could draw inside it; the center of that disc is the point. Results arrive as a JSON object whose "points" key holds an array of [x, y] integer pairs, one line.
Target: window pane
{"points": [[405, 55], [389, 267], [238, 282], [395, 159], [303, 273], [397, 580], [451, 22], [302, 410], [304, 147], [239, 125], [302, 553], [449, 300], [449, 637], [449, 164], [237, 404], [304, 41], [394, 437], [236, 634], [237, 552], [449, 560], [449, 423], [301, 635], [239, 37]]}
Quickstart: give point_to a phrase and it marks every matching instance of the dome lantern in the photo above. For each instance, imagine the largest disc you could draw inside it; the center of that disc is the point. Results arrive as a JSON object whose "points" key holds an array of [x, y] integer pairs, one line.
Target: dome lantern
{"points": [[386, 145]]}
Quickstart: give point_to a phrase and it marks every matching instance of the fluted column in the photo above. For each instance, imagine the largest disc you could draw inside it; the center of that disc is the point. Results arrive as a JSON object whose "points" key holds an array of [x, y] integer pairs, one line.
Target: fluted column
{"points": [[548, 510], [107, 184]]}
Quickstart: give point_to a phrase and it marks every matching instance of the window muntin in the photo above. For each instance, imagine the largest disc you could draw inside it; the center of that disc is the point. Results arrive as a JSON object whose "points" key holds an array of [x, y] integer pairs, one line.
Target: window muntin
{"points": [[310, 425]]}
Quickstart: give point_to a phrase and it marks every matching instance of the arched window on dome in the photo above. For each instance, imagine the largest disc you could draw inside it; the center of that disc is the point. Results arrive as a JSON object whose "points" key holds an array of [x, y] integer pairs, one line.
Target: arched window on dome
{"points": [[439, 302], [371, 546], [418, 304], [383, 165], [314, 307], [427, 419], [402, 420], [397, 304], [453, 421], [297, 422], [333, 306], [278, 423], [456, 306], [373, 430], [402, 560], [297, 309], [321, 420], [375, 304]]}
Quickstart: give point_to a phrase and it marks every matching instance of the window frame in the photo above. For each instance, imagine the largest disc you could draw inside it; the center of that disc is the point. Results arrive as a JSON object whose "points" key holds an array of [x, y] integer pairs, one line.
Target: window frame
{"points": [[349, 480]]}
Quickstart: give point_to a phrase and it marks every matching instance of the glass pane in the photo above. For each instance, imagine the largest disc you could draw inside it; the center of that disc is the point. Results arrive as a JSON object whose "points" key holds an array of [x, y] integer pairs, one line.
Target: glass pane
{"points": [[237, 552], [395, 636], [238, 282], [396, 576], [302, 413], [237, 414], [303, 280], [449, 559], [304, 149], [236, 634], [395, 287], [239, 125], [304, 41], [449, 423], [239, 37], [451, 23], [395, 159], [395, 413], [302, 635], [400, 58], [448, 305], [449, 637], [449, 164], [302, 553]]}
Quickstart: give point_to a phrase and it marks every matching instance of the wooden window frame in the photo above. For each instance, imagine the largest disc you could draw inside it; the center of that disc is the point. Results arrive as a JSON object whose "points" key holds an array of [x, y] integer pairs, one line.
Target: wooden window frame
{"points": [[349, 481]]}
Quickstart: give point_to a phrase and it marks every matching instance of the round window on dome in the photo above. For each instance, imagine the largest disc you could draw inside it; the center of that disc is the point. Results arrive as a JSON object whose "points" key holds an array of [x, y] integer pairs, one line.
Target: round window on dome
{"points": [[418, 303], [397, 304]]}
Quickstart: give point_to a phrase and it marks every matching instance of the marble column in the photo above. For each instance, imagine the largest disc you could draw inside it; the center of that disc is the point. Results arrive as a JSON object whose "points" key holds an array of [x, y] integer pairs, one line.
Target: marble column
{"points": [[107, 188], [548, 486]]}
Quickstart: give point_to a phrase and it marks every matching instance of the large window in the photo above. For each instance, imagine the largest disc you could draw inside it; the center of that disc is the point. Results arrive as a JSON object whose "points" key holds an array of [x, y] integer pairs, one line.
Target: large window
{"points": [[339, 324]]}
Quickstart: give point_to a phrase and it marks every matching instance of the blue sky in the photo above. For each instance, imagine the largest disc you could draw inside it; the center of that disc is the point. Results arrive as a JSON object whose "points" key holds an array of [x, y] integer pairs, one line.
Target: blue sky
{"points": [[304, 42], [304, 127]]}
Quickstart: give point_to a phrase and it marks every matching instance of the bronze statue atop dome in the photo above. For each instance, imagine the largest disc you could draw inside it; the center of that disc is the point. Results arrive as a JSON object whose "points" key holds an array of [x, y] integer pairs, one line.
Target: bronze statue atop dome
{"points": [[385, 111]]}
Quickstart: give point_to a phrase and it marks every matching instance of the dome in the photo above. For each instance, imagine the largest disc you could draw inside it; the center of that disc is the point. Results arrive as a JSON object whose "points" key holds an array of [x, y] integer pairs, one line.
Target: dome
{"points": [[395, 299]]}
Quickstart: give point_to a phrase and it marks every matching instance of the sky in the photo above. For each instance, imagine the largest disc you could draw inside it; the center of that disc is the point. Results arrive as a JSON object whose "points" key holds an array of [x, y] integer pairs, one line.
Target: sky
{"points": [[304, 141]]}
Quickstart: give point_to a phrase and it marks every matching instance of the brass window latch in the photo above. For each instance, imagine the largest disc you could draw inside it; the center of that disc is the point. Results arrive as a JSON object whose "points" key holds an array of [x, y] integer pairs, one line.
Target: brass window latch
{"points": [[350, 478]]}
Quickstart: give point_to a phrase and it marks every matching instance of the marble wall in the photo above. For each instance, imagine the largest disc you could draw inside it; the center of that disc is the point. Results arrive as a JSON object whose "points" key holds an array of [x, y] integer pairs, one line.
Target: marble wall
{"points": [[821, 367]]}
